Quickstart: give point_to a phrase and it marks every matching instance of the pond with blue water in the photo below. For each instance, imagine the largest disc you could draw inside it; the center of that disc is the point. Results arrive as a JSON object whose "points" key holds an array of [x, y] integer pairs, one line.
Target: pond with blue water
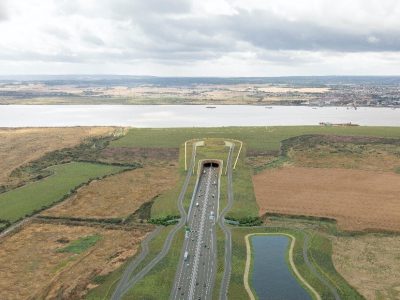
{"points": [[272, 277]]}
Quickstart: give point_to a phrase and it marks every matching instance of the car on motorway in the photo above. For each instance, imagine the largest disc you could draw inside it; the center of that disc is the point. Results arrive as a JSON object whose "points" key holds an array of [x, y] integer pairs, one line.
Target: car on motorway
{"points": [[186, 256]]}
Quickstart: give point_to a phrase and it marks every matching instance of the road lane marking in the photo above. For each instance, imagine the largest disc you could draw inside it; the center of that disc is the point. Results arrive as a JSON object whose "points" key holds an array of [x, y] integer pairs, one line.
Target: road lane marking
{"points": [[200, 240]]}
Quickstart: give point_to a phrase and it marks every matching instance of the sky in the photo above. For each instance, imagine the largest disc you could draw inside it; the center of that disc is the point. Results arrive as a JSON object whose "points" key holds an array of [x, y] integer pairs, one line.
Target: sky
{"points": [[200, 38]]}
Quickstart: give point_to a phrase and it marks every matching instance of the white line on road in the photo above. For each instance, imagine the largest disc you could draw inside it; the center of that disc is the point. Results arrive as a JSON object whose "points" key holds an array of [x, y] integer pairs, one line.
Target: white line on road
{"points": [[200, 239]]}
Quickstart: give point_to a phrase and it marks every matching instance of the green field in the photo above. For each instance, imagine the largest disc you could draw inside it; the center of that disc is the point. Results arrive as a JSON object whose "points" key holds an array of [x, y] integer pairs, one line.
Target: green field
{"points": [[35, 196], [81, 245], [256, 138], [244, 200]]}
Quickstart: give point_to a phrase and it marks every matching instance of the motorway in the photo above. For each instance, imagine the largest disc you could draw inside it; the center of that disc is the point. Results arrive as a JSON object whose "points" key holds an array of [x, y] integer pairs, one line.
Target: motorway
{"points": [[196, 271]]}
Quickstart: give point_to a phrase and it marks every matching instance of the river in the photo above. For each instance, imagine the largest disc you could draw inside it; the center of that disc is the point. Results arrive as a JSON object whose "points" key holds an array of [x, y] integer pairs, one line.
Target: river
{"points": [[190, 115]]}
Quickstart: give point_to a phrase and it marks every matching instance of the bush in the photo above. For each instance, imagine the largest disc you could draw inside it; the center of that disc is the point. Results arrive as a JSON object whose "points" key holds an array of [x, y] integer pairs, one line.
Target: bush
{"points": [[168, 220], [247, 221]]}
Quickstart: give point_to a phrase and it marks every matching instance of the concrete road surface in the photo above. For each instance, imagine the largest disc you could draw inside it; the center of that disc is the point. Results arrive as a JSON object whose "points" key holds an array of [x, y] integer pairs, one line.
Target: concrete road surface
{"points": [[196, 271]]}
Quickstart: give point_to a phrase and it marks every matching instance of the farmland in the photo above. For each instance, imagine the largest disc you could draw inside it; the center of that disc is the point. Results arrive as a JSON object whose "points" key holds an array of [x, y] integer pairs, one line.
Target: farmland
{"points": [[357, 199], [35, 196]]}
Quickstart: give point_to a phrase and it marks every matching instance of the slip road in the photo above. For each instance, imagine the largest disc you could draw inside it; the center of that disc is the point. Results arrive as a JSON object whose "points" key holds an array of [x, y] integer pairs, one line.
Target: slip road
{"points": [[197, 266]]}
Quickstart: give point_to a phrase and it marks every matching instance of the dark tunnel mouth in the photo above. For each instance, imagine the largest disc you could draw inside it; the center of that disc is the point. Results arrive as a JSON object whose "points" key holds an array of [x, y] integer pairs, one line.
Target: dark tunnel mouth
{"points": [[211, 164]]}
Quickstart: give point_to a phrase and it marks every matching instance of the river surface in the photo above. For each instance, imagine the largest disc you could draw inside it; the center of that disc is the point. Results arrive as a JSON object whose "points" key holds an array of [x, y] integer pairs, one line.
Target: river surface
{"points": [[189, 115], [271, 277]]}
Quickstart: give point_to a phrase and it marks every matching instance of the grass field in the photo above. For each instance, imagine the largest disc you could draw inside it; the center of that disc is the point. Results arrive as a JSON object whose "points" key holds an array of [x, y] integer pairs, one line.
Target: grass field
{"points": [[117, 196], [256, 138], [363, 153], [166, 203], [35, 196], [370, 262], [50, 261], [320, 250], [19, 146]]}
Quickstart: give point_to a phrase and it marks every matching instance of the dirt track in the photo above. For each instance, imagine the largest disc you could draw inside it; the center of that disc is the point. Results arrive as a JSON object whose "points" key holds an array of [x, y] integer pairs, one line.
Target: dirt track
{"points": [[358, 199]]}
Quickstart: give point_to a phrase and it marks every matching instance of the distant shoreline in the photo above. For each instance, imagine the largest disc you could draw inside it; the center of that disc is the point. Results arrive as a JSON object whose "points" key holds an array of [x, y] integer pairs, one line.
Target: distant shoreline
{"points": [[267, 105]]}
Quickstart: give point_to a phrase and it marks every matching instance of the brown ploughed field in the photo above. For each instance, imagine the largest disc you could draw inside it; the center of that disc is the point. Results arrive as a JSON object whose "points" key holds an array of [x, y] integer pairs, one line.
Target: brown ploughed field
{"points": [[32, 266], [357, 199], [22, 145], [118, 195]]}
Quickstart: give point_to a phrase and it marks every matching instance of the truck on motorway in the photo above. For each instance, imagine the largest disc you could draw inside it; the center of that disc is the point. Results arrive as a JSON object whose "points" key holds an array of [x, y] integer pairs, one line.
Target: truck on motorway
{"points": [[186, 256]]}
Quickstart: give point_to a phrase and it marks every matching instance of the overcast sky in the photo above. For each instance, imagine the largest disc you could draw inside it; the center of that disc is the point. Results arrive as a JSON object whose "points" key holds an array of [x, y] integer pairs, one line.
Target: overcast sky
{"points": [[200, 38]]}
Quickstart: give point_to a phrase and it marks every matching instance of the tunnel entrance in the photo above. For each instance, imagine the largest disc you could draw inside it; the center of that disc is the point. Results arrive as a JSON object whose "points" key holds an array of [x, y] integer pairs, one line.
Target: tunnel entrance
{"points": [[211, 164]]}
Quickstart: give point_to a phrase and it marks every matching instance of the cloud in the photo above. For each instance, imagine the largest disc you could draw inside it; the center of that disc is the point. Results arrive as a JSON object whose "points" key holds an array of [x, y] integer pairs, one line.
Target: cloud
{"points": [[268, 31], [3, 12], [181, 33]]}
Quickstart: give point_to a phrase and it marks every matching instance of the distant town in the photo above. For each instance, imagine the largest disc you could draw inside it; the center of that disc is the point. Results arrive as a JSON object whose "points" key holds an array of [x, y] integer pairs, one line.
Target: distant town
{"points": [[351, 92]]}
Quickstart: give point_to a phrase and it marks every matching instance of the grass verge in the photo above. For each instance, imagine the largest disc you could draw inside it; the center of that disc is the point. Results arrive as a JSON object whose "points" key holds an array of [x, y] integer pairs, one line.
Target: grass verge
{"points": [[220, 262], [157, 284], [245, 208]]}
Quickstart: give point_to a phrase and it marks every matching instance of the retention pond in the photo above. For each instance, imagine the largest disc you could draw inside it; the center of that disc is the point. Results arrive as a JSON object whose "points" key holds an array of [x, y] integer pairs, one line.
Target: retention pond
{"points": [[272, 277]]}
